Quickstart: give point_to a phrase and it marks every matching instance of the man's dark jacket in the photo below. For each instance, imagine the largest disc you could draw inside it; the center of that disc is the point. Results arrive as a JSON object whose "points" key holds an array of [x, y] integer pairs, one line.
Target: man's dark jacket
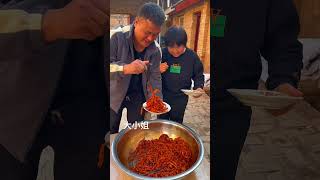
{"points": [[267, 28]]}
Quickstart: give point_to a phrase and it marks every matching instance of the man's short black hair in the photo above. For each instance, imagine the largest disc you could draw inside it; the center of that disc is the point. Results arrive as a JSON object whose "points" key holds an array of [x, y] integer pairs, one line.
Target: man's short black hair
{"points": [[175, 35], [152, 12]]}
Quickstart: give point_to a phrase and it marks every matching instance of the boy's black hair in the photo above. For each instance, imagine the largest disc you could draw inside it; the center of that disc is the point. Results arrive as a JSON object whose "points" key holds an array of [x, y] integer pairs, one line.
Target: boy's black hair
{"points": [[152, 12], [175, 35]]}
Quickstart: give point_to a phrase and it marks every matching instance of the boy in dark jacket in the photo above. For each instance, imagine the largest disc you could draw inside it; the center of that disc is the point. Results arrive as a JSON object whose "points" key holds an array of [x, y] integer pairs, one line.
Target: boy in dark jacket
{"points": [[179, 66], [243, 32]]}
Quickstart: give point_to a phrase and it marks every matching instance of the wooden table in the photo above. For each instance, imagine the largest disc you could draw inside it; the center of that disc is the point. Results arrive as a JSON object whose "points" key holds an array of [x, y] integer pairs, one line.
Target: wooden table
{"points": [[201, 173]]}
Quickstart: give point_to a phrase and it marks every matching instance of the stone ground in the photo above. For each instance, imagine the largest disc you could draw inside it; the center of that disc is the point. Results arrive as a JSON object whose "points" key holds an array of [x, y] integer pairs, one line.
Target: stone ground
{"points": [[282, 148]]}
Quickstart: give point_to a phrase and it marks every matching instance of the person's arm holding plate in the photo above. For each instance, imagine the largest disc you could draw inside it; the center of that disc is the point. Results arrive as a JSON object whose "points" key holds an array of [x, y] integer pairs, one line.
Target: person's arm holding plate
{"points": [[198, 77], [283, 51]]}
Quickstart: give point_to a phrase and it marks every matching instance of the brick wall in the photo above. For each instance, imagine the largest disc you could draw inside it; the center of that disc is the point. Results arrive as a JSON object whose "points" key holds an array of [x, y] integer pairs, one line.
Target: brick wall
{"points": [[309, 12], [189, 24], [119, 19]]}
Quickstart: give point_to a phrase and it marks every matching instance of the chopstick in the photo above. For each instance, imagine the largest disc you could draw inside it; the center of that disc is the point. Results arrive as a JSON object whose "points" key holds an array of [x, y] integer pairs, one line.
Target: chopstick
{"points": [[146, 72]]}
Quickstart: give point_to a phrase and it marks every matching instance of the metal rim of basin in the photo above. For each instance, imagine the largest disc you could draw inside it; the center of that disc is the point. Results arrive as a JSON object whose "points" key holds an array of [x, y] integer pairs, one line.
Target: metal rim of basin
{"points": [[178, 176]]}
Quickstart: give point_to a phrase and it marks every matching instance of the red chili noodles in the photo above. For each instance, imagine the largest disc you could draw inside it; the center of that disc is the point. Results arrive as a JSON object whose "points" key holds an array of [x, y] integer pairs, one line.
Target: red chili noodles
{"points": [[154, 103], [161, 157]]}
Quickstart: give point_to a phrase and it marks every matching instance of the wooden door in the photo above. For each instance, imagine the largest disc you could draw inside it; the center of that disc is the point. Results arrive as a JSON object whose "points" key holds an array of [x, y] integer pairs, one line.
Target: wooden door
{"points": [[309, 12]]}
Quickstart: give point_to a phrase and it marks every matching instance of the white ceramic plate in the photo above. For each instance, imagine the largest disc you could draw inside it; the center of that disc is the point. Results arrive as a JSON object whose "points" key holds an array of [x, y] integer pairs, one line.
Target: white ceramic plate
{"points": [[144, 105], [191, 92], [264, 99]]}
